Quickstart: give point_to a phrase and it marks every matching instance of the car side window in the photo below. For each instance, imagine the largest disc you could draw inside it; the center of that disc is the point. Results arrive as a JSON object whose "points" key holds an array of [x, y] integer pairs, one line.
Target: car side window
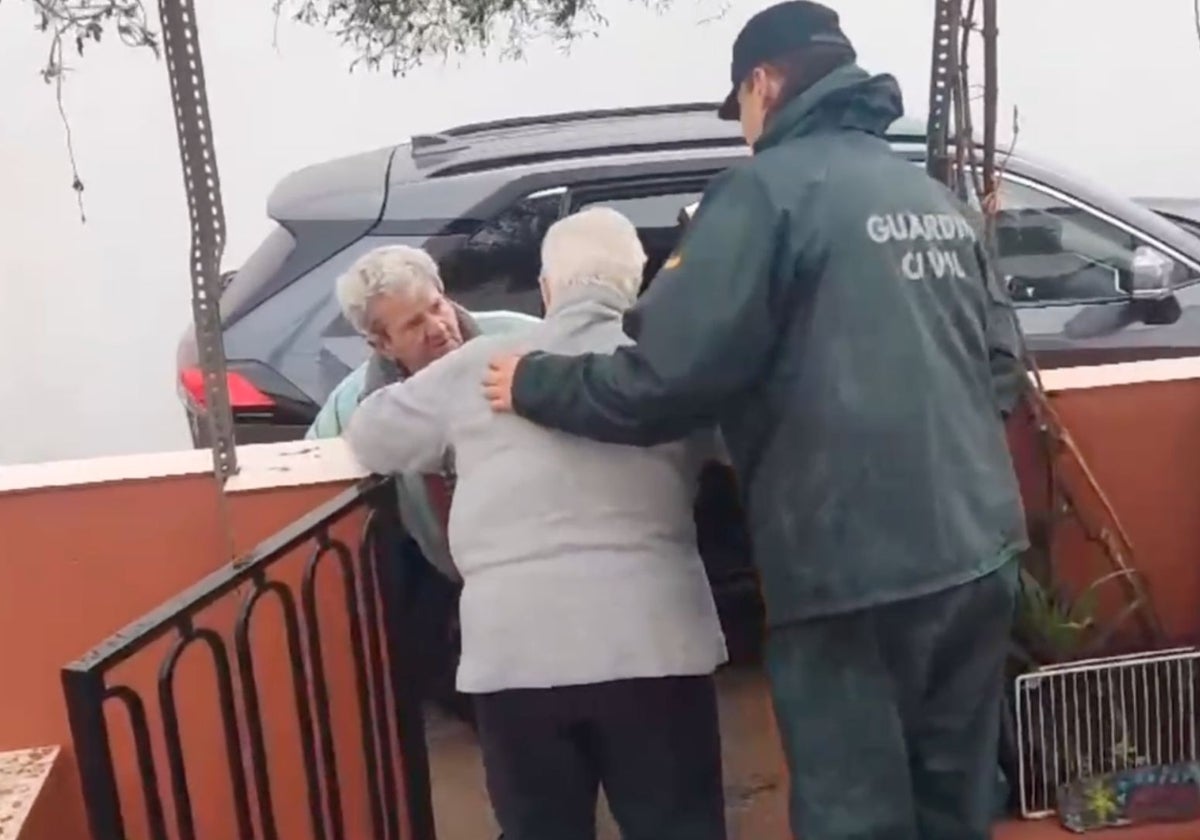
{"points": [[1050, 251], [654, 210], [497, 268]]}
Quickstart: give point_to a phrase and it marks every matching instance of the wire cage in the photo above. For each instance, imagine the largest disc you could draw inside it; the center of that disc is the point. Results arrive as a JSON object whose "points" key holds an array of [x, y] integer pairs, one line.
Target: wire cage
{"points": [[1082, 719]]}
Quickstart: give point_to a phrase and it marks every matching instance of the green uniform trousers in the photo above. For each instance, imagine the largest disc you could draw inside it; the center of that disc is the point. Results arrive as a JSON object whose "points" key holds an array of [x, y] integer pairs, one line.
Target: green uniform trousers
{"points": [[890, 716]]}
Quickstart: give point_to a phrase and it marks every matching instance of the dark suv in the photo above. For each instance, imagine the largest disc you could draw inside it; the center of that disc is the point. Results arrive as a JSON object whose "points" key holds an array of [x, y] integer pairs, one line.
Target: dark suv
{"points": [[480, 197]]}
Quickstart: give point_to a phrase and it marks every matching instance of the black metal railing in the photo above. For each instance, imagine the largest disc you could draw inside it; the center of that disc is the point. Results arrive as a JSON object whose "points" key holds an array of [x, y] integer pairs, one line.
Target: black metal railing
{"points": [[388, 744]]}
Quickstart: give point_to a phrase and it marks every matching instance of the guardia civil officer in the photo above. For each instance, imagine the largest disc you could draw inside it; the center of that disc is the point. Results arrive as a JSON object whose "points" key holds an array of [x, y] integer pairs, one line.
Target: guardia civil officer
{"points": [[830, 310]]}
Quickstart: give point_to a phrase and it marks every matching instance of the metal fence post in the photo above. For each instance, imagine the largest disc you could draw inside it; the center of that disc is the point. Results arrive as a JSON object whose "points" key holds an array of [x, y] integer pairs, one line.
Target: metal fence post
{"points": [[202, 182], [84, 693]]}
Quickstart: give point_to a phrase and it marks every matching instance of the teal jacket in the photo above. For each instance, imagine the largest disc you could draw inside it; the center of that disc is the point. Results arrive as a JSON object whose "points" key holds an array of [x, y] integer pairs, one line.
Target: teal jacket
{"points": [[831, 310], [418, 514], [331, 420]]}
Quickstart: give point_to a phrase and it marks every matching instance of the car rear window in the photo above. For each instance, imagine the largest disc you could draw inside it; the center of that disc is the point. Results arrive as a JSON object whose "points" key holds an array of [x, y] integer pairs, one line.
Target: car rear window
{"points": [[262, 265]]}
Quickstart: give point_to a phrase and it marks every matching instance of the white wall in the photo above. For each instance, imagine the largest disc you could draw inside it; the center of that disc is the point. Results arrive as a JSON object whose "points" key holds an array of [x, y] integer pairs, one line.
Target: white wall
{"points": [[89, 314]]}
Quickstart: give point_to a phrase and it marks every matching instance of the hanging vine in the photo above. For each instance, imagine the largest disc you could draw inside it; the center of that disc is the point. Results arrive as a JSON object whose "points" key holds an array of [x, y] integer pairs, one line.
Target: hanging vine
{"points": [[395, 36], [73, 25]]}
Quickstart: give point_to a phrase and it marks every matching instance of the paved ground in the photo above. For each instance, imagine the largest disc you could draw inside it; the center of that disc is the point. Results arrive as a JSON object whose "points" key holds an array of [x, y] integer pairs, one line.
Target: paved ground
{"points": [[754, 775], [755, 779]]}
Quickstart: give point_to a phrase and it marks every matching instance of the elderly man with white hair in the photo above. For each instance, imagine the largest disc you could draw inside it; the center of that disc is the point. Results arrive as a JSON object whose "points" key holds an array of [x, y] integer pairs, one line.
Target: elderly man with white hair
{"points": [[393, 296], [589, 633]]}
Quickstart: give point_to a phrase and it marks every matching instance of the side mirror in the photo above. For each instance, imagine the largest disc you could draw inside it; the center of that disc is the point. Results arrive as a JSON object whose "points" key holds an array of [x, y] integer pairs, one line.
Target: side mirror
{"points": [[1149, 280], [1150, 275], [1156, 312]]}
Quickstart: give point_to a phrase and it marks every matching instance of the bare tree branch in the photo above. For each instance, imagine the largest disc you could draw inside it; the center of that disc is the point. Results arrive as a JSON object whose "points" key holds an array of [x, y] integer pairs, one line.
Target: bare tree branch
{"points": [[991, 202], [79, 23], [964, 140], [392, 35]]}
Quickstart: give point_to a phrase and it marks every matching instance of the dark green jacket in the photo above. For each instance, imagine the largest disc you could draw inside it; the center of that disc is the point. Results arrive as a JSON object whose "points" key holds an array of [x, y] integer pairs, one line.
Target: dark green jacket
{"points": [[828, 309]]}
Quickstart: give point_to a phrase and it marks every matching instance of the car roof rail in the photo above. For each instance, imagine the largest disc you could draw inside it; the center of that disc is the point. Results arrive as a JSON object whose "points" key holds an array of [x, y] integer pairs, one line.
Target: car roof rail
{"points": [[578, 116], [438, 152], [434, 144], [531, 158]]}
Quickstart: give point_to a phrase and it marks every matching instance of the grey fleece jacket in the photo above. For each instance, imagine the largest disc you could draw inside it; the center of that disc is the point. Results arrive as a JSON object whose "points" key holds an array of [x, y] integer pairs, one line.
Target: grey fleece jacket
{"points": [[578, 558]]}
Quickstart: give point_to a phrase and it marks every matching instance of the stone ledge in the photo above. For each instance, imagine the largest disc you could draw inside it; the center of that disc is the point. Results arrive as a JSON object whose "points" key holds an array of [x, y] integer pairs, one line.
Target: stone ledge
{"points": [[261, 466], [1172, 369], [23, 775]]}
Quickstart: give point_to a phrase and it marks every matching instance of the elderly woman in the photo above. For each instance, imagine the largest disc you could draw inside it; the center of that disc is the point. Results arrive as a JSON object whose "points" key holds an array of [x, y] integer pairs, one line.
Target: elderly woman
{"points": [[589, 634]]}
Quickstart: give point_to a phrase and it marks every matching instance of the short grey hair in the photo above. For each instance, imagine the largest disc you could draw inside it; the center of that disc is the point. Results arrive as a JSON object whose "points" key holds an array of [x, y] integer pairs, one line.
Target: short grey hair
{"points": [[392, 269], [596, 245]]}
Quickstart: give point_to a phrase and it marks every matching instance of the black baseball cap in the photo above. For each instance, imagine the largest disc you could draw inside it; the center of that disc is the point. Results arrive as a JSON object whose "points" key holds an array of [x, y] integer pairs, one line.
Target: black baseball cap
{"points": [[775, 32]]}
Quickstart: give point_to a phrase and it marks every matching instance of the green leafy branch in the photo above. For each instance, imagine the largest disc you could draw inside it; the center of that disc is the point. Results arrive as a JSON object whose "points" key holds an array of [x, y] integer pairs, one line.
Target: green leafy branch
{"points": [[400, 35], [1052, 626]]}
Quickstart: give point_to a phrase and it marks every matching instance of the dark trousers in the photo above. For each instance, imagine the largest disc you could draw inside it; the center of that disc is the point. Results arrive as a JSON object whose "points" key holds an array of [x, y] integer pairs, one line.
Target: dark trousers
{"points": [[890, 716], [653, 744], [429, 602]]}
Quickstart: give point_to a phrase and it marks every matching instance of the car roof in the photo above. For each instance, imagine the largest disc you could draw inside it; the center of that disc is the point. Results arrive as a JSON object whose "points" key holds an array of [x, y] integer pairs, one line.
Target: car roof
{"points": [[356, 187], [481, 158], [526, 140], [352, 187]]}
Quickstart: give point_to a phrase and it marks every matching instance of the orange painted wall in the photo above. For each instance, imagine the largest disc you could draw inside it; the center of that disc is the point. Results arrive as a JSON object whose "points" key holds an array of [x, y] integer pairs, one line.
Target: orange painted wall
{"points": [[77, 564], [1142, 444]]}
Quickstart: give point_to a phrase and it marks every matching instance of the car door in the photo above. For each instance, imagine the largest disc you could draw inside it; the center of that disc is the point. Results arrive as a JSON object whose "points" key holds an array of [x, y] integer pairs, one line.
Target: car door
{"points": [[654, 204], [1070, 268]]}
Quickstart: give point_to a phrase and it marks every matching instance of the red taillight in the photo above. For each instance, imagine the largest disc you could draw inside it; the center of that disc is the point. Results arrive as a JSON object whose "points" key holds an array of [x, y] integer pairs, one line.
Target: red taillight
{"points": [[242, 392]]}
